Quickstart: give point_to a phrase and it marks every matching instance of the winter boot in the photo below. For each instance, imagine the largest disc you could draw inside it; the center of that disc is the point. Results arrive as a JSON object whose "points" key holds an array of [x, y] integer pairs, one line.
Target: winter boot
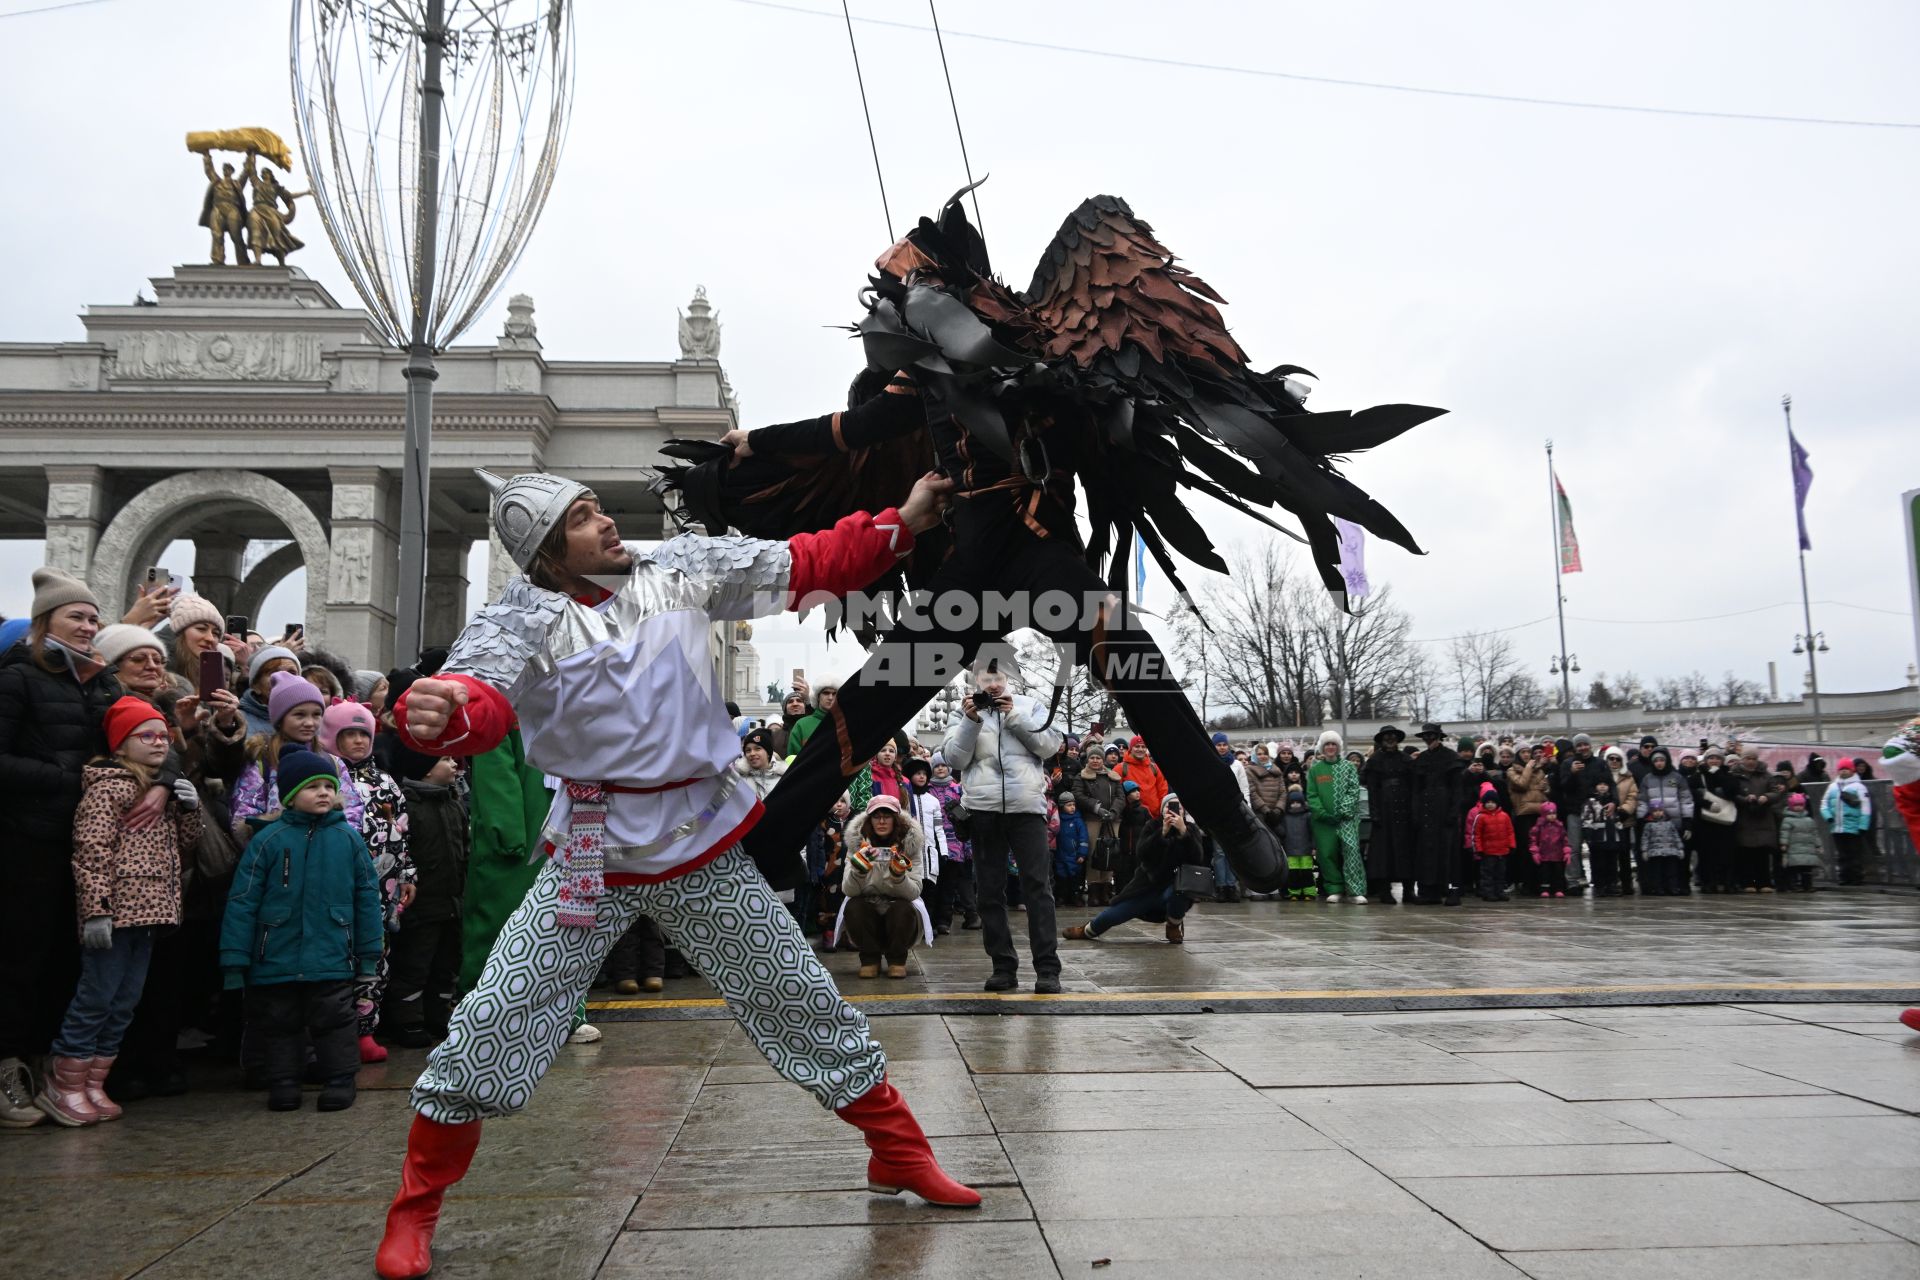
{"points": [[338, 1093], [1252, 850], [63, 1093], [437, 1157], [902, 1160], [97, 1069], [372, 1050]]}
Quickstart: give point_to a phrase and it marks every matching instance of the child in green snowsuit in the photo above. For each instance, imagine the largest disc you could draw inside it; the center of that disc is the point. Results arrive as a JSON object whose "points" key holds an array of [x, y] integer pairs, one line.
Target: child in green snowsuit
{"points": [[1334, 798]]}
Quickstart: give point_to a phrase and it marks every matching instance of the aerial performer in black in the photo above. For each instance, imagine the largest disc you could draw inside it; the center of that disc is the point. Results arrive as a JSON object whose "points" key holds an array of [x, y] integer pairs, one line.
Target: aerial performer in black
{"points": [[1113, 369]]}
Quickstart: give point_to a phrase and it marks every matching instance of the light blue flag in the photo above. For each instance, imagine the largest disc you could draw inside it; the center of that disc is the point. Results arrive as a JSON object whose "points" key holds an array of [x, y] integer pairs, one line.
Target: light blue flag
{"points": [[1139, 566]]}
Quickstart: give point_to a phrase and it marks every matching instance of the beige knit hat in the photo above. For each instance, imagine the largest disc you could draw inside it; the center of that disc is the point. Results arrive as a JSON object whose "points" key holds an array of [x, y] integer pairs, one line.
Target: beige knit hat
{"points": [[189, 609], [54, 587], [117, 641]]}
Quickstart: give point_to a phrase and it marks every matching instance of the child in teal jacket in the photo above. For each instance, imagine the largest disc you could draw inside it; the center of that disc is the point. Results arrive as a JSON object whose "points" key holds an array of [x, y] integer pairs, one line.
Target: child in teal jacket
{"points": [[302, 922]]}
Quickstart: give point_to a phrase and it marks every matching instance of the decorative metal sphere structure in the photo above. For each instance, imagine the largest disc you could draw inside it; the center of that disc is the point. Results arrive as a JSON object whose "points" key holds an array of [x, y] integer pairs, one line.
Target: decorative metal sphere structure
{"points": [[431, 131]]}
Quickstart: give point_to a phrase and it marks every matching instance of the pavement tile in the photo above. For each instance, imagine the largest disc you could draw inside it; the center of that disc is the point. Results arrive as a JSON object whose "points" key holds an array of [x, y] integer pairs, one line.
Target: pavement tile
{"points": [[1805, 1104], [948, 1250], [1278, 1062], [1408, 1094], [1779, 1262], [563, 1237], [1094, 1043], [1125, 1100], [1104, 1175], [1653, 1073], [1536, 1161], [816, 1166], [1639, 1211], [670, 1211], [747, 1115], [1792, 1142], [1394, 1123], [1902, 1217], [1512, 1037], [1848, 1185], [1298, 1244], [104, 1223]]}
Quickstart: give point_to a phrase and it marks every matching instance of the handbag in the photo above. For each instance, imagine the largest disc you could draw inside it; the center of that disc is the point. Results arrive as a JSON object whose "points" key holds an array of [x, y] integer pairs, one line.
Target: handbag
{"points": [[1717, 809], [1194, 881], [962, 819]]}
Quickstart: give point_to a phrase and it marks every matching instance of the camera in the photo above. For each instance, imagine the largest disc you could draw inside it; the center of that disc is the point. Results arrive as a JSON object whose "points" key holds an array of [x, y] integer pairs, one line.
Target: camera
{"points": [[982, 700]]}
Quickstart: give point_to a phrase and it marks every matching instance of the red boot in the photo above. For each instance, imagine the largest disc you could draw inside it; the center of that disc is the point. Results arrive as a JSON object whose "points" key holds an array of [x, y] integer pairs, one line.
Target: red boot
{"points": [[901, 1158], [437, 1157], [1910, 1019]]}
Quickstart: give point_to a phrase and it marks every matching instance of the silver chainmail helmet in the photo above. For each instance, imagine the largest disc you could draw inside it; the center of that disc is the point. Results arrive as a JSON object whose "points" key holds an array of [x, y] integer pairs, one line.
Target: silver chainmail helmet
{"points": [[529, 507]]}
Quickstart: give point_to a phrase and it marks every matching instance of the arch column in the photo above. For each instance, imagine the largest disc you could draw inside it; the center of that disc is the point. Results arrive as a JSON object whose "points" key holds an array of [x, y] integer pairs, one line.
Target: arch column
{"points": [[216, 568], [446, 611], [76, 509], [166, 509], [363, 587], [251, 595]]}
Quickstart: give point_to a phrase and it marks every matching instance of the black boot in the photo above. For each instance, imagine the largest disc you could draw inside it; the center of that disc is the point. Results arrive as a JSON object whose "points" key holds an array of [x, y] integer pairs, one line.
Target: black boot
{"points": [[338, 1093], [1252, 851]]}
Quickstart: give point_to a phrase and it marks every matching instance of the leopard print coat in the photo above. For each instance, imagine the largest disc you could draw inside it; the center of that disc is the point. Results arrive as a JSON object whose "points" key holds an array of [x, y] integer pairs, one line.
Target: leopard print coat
{"points": [[132, 876]]}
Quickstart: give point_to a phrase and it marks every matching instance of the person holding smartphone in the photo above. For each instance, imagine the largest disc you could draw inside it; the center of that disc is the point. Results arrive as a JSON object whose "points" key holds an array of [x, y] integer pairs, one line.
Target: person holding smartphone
{"points": [[1000, 747], [1149, 895]]}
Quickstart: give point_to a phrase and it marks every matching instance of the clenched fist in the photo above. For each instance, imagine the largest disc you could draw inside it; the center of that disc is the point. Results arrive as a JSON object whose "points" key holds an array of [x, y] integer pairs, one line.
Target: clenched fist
{"points": [[430, 705]]}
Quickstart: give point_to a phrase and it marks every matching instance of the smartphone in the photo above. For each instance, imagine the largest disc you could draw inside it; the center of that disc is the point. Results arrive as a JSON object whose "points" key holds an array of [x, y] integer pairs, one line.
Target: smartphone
{"points": [[213, 673], [293, 629], [237, 624], [158, 578], [1173, 806], [799, 677]]}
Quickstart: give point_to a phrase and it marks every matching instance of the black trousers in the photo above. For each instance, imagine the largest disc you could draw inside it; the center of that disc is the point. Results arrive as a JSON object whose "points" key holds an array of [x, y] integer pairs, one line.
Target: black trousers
{"points": [[1025, 836], [917, 658], [422, 965], [1493, 878], [1612, 864], [1553, 876], [1667, 876], [1522, 868], [39, 946], [957, 894], [1851, 855], [279, 1013], [640, 953]]}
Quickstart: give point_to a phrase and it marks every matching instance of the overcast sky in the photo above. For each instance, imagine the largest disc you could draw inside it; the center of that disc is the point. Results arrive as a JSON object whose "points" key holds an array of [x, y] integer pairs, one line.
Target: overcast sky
{"points": [[1640, 287]]}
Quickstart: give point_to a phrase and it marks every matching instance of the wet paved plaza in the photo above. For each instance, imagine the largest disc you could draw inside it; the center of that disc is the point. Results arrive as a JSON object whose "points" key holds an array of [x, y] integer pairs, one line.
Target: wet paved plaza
{"points": [[1751, 1138]]}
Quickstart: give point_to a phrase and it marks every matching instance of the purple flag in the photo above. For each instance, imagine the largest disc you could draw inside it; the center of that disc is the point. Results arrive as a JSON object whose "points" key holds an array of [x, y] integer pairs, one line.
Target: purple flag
{"points": [[1802, 481], [1353, 557]]}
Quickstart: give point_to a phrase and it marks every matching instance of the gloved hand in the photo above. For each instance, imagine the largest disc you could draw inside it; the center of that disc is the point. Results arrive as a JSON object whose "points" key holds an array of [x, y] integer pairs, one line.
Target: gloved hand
{"points": [[186, 793], [899, 864], [862, 859], [233, 979], [97, 933]]}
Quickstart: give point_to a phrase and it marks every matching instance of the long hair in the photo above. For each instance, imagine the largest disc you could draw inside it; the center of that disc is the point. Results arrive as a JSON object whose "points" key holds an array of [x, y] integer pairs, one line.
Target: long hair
{"points": [[37, 643], [548, 569], [142, 775]]}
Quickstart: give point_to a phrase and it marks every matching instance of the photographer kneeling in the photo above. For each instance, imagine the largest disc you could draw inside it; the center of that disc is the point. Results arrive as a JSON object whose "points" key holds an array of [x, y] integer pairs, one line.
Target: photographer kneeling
{"points": [[1150, 894], [883, 915]]}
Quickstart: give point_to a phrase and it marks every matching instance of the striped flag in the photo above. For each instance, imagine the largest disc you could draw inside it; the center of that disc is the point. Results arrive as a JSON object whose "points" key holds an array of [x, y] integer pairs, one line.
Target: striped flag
{"points": [[1569, 544]]}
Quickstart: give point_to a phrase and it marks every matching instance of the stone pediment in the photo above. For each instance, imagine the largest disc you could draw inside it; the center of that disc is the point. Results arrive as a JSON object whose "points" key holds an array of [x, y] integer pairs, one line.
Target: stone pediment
{"points": [[227, 324]]}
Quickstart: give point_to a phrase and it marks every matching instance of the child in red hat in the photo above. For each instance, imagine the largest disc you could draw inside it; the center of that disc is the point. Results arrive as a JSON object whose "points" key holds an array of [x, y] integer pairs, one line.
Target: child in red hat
{"points": [[127, 884]]}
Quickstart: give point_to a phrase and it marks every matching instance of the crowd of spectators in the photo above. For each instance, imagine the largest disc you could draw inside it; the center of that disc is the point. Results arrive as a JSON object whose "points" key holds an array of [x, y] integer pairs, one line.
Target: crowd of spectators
{"points": [[222, 845]]}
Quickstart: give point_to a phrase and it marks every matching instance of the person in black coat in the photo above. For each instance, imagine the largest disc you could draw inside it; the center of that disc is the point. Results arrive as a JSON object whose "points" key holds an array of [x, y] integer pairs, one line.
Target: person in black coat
{"points": [[1438, 818], [425, 958], [54, 694], [1149, 894], [1388, 778]]}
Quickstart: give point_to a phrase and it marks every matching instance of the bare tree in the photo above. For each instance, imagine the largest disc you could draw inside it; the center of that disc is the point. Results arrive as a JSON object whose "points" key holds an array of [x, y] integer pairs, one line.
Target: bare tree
{"points": [[1083, 700], [1367, 655], [1732, 691], [1670, 693], [1489, 681], [1252, 647]]}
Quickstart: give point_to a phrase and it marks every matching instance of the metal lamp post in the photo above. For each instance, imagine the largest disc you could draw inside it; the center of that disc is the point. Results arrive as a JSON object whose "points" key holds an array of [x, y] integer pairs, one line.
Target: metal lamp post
{"points": [[431, 130], [1810, 643]]}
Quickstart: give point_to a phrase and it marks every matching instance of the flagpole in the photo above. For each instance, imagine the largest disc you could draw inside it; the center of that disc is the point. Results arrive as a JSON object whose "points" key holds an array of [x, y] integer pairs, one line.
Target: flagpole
{"points": [[1806, 600], [1559, 596]]}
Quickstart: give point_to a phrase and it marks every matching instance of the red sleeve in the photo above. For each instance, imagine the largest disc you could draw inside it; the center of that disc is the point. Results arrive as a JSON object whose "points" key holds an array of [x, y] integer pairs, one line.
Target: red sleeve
{"points": [[846, 557], [474, 729]]}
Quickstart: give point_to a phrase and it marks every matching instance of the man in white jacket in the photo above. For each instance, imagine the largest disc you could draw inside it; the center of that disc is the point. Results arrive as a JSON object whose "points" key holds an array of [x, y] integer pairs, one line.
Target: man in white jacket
{"points": [[1000, 747]]}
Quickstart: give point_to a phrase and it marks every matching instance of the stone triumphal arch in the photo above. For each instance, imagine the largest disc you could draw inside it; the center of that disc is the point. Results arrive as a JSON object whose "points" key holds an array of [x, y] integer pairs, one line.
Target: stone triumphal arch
{"points": [[246, 411]]}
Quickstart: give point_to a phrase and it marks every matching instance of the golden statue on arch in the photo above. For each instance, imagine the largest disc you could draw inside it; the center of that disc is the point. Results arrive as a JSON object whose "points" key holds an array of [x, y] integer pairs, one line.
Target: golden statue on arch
{"points": [[224, 211]]}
